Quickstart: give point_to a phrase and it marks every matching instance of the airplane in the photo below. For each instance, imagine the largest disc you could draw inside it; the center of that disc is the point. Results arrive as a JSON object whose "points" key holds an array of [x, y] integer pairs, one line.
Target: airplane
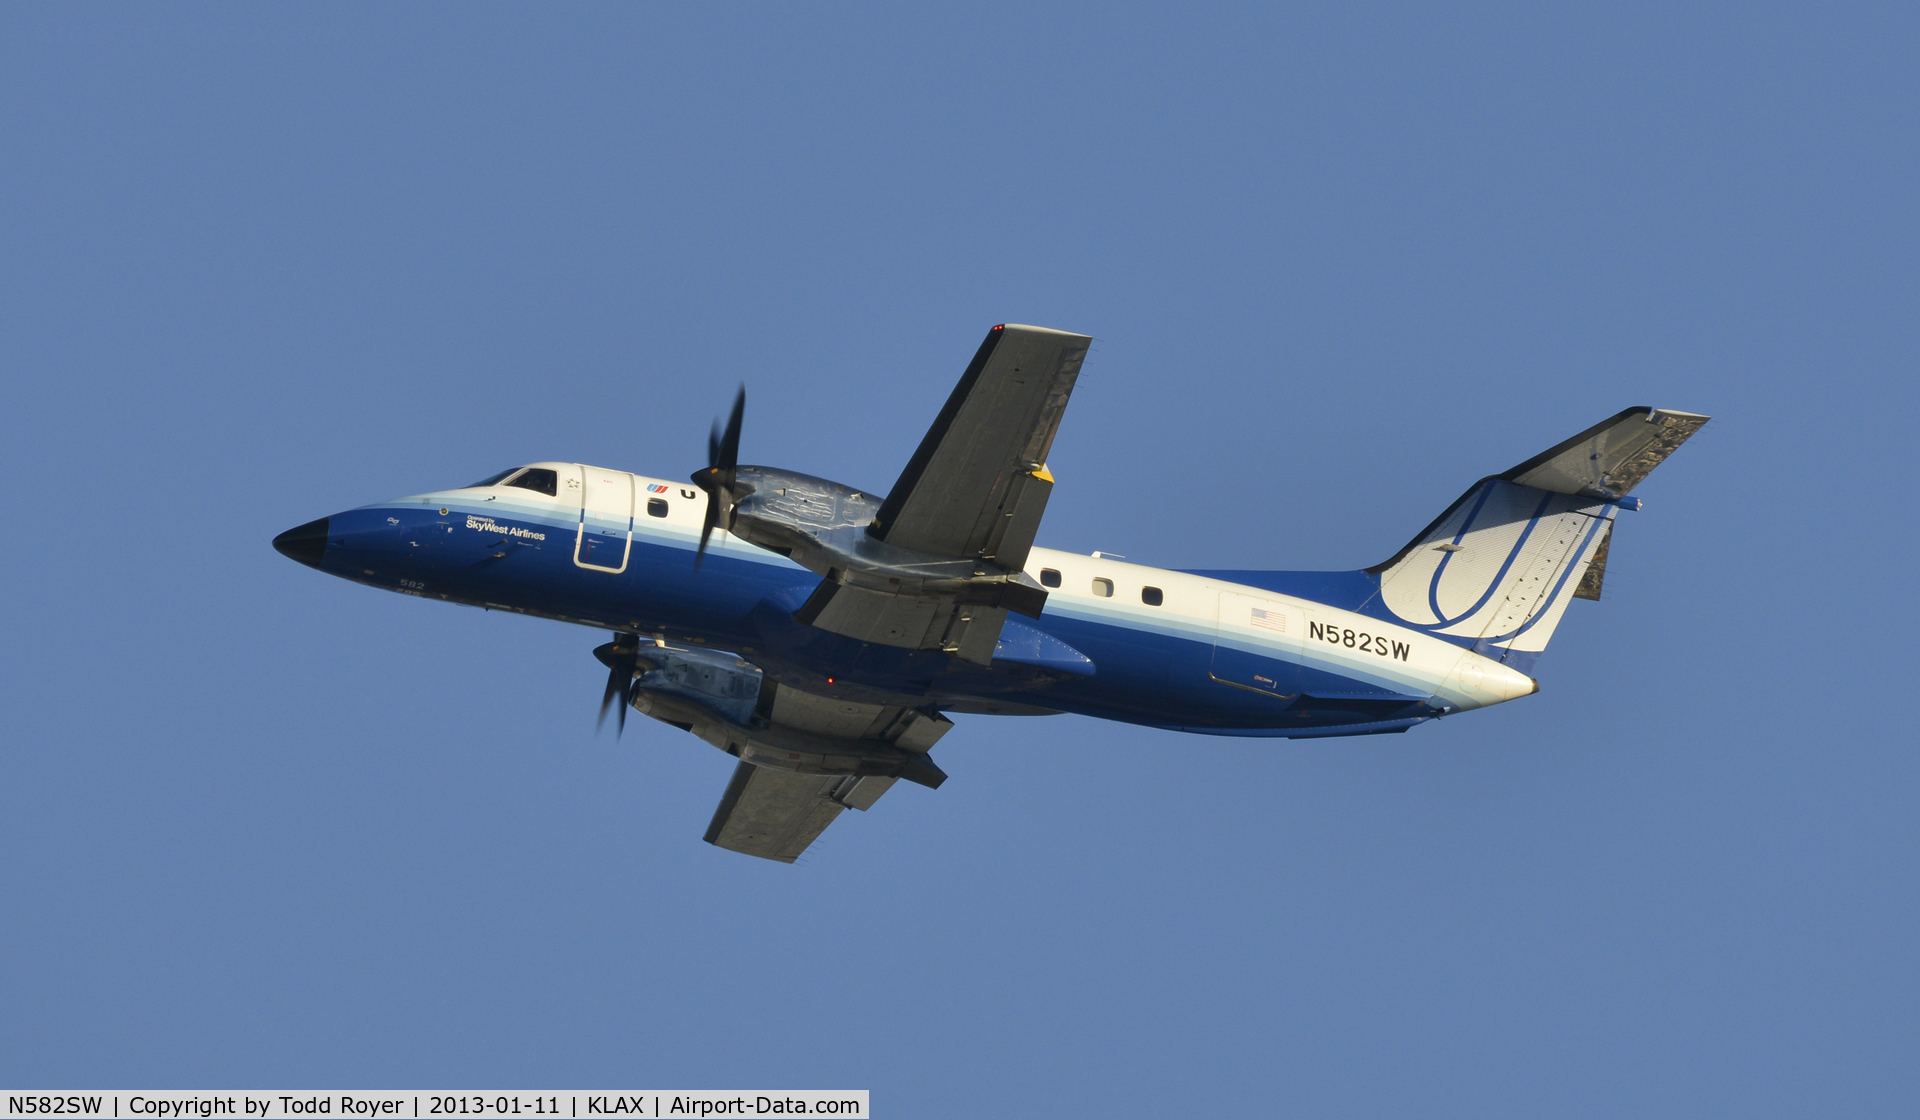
{"points": [[825, 635]]}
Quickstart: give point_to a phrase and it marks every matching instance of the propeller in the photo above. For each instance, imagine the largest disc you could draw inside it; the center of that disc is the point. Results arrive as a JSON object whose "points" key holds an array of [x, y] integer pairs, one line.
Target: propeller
{"points": [[622, 659], [723, 458]]}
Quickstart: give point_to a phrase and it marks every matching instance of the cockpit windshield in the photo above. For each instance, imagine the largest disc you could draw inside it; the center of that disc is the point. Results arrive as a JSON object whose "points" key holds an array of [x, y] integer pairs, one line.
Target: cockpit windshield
{"points": [[541, 480], [490, 480]]}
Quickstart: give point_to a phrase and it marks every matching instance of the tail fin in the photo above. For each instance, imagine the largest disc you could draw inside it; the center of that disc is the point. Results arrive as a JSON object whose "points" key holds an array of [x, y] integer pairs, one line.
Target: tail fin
{"points": [[1496, 570]]}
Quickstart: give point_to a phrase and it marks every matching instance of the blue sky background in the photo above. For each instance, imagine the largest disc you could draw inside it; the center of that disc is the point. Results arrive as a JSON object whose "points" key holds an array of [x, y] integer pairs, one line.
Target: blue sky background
{"points": [[264, 828]]}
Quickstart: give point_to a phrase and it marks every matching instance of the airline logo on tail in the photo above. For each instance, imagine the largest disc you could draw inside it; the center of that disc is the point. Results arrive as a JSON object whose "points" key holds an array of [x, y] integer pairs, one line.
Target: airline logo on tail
{"points": [[1496, 570]]}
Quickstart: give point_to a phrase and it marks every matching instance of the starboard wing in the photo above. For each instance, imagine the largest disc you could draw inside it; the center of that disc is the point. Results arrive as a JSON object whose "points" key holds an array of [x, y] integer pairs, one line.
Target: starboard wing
{"points": [[776, 814], [804, 757]]}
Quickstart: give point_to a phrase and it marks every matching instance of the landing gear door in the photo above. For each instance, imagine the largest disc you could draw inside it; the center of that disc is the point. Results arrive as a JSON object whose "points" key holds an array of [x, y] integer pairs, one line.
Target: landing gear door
{"points": [[605, 538], [1256, 645]]}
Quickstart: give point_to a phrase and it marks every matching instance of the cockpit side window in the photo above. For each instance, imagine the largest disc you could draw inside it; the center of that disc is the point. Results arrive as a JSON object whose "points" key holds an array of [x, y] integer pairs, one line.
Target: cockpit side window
{"points": [[490, 480], [541, 479]]}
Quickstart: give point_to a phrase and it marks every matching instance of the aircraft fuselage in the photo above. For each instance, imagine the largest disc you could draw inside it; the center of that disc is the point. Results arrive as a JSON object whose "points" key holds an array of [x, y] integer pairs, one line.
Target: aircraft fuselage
{"points": [[1234, 653]]}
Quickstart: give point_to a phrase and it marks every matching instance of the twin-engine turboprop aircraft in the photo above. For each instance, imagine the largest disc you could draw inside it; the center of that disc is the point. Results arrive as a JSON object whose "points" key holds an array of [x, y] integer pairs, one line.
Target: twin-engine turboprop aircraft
{"points": [[822, 634]]}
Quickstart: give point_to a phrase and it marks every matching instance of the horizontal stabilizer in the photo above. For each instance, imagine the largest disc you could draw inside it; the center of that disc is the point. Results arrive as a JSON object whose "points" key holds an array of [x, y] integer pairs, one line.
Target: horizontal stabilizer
{"points": [[1609, 459]]}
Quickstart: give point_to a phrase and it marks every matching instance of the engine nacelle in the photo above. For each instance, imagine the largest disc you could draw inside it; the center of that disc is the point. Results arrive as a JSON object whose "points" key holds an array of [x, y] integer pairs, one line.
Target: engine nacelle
{"points": [[822, 526], [714, 695], [721, 683]]}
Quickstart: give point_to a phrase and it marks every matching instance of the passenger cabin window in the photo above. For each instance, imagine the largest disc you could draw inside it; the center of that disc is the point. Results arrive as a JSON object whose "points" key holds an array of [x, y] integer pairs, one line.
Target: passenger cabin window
{"points": [[1049, 578], [656, 507], [1103, 587], [491, 479], [538, 478], [1151, 596]]}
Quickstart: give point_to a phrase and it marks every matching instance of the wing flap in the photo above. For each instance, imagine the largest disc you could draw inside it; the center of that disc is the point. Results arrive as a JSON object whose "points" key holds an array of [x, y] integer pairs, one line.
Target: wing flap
{"points": [[966, 630]]}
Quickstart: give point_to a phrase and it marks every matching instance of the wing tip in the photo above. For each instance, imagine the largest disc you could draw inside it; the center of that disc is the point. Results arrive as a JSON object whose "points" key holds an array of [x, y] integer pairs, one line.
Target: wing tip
{"points": [[1028, 328]]}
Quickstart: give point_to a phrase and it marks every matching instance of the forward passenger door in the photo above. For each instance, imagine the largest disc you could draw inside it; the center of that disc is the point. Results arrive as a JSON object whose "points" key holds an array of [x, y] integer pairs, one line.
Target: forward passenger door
{"points": [[605, 537]]}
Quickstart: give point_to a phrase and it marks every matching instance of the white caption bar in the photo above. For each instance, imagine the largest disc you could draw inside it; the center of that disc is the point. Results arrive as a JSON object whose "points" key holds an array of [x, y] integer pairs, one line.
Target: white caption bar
{"points": [[550, 1104]]}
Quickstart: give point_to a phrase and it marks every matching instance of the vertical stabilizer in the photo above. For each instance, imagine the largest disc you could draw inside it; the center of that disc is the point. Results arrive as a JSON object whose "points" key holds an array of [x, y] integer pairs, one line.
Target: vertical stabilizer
{"points": [[1497, 569]]}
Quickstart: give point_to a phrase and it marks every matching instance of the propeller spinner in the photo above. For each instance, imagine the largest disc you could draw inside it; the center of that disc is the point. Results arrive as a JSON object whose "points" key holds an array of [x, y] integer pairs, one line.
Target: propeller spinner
{"points": [[723, 459]]}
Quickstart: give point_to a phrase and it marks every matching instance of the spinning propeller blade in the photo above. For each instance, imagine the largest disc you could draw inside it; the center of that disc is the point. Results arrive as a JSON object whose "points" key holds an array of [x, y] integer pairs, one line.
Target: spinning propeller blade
{"points": [[723, 457], [622, 659]]}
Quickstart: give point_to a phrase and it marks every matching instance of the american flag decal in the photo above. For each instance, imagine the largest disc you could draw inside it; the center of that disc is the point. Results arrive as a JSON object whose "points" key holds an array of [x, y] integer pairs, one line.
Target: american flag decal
{"points": [[1269, 620]]}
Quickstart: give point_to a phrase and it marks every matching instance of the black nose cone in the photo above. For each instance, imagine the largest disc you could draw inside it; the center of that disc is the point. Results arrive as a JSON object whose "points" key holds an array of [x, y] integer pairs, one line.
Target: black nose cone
{"points": [[305, 543]]}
